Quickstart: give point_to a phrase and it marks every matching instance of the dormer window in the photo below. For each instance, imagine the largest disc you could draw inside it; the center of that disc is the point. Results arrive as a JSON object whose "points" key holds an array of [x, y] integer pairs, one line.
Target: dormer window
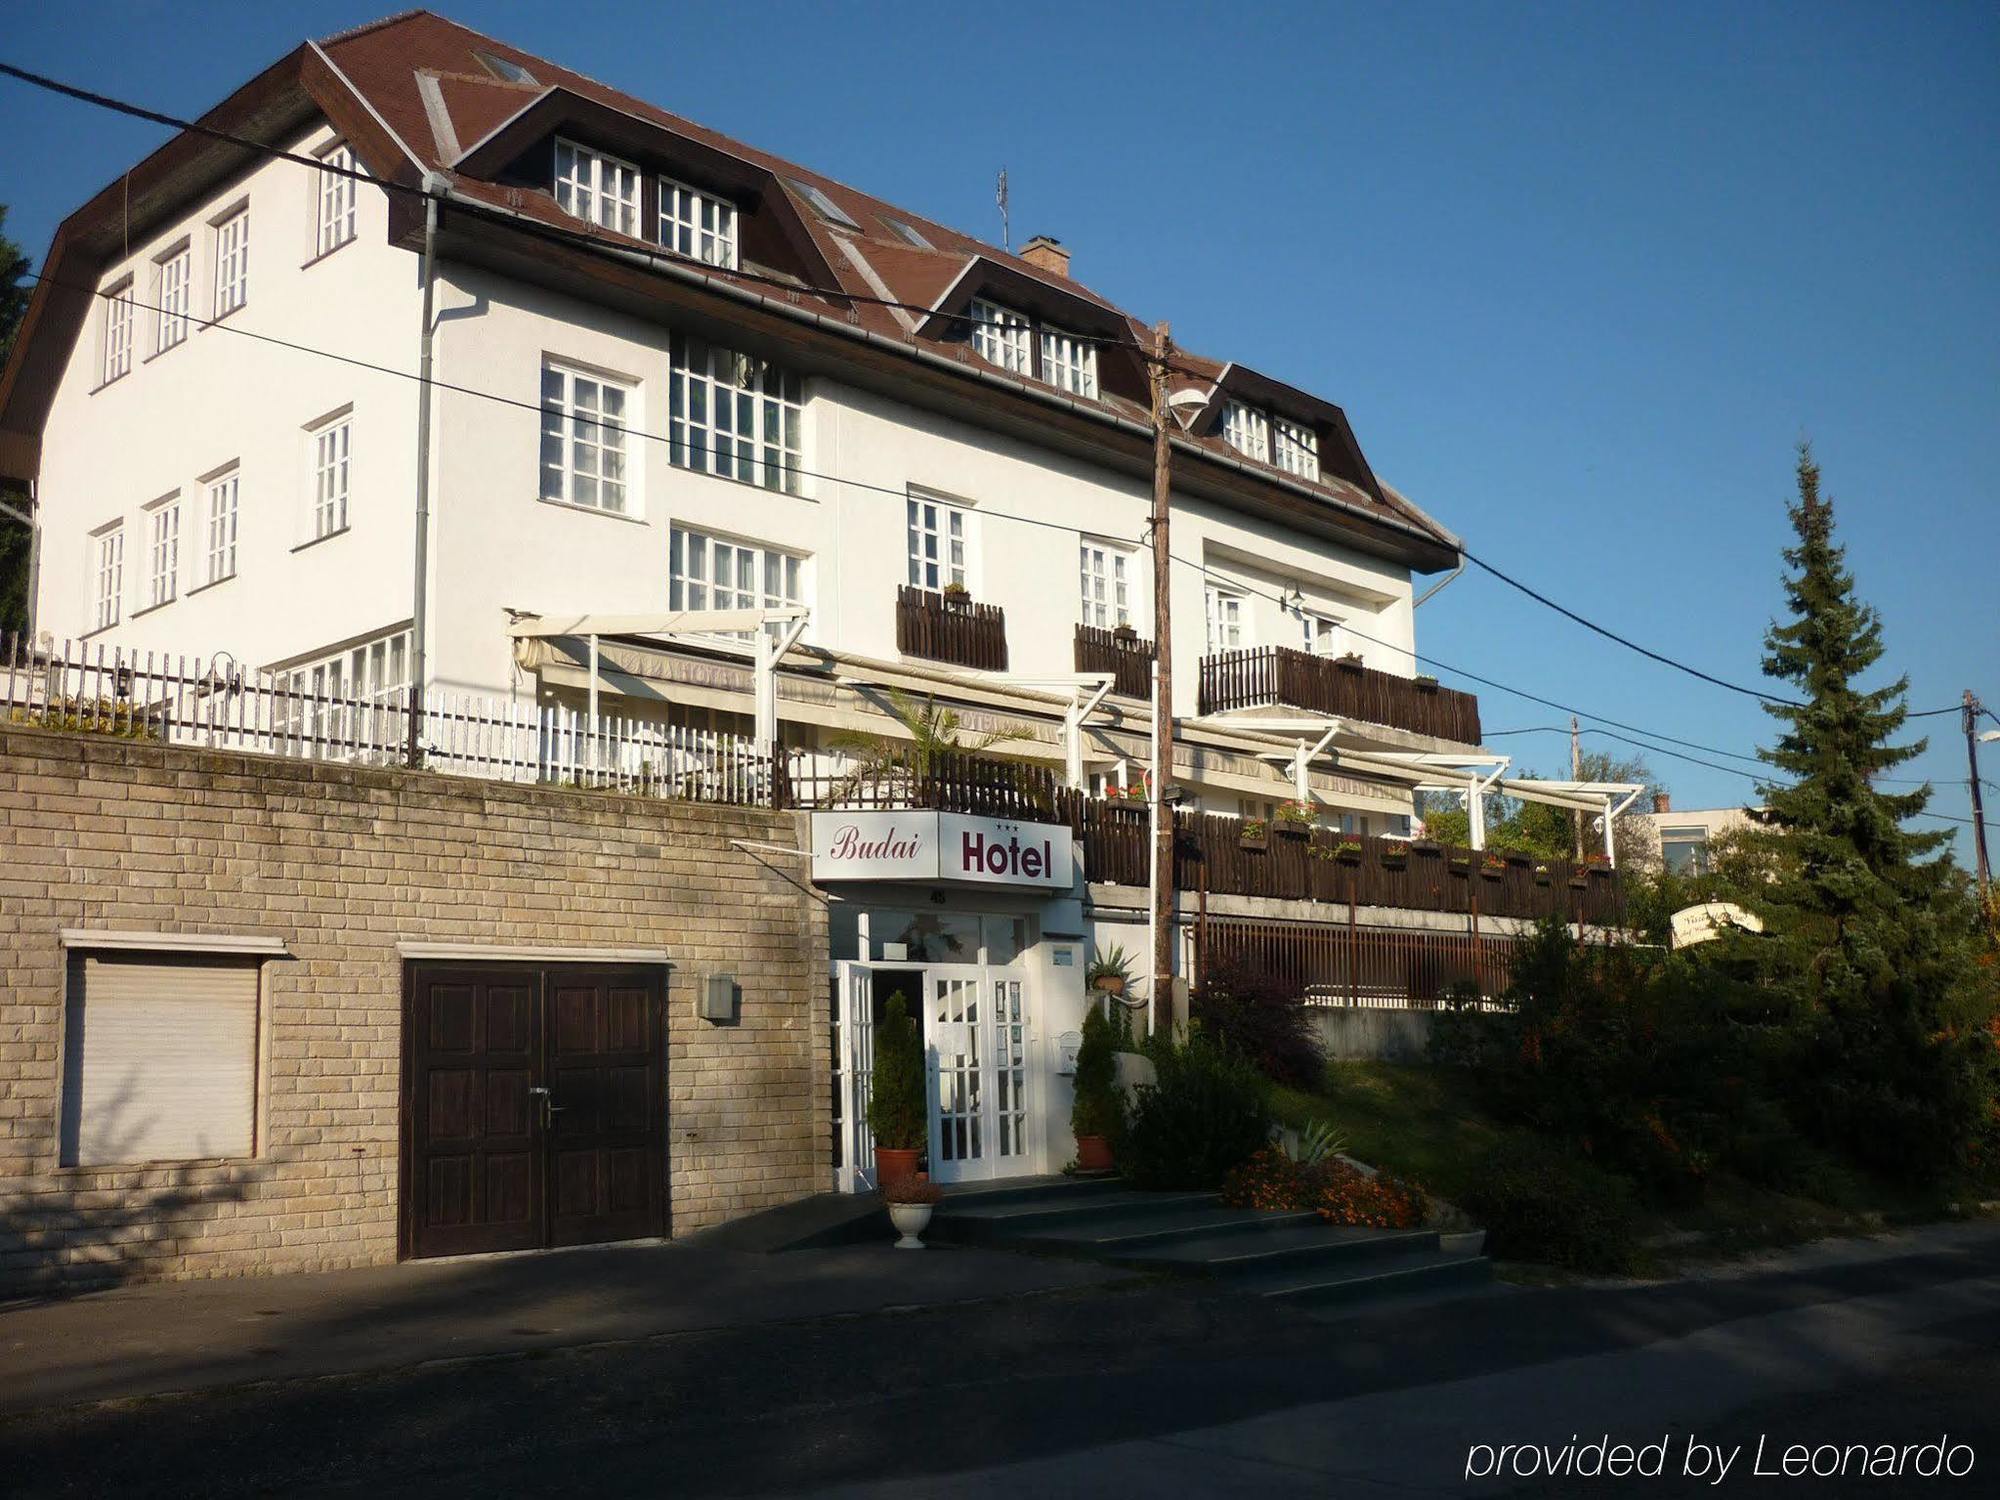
{"points": [[1247, 430], [1001, 336], [697, 224], [1069, 362], [1271, 439], [597, 188]]}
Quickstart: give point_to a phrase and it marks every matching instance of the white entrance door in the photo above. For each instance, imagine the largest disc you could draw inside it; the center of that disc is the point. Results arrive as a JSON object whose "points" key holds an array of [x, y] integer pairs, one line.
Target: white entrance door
{"points": [[977, 1036], [857, 1068]]}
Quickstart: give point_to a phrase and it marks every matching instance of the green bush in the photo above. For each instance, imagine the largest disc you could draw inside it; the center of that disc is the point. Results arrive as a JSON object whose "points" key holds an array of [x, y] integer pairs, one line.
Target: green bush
{"points": [[1537, 1203], [1204, 1114], [897, 1112], [1098, 1108]]}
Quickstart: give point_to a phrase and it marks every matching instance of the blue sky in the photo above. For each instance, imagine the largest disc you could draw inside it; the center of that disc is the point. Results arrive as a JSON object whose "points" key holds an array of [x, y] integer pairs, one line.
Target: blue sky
{"points": [[1581, 275]]}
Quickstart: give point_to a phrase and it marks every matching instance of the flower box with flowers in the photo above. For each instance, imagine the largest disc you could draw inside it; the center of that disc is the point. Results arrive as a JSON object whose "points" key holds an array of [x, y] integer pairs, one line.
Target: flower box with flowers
{"points": [[1493, 867], [1254, 834]]}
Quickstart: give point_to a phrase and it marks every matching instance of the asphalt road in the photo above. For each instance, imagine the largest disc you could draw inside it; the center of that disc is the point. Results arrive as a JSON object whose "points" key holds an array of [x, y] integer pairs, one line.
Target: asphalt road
{"points": [[1112, 1391]]}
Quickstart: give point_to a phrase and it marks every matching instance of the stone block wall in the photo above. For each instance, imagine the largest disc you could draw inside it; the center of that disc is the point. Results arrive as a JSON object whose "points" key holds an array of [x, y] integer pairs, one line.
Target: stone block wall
{"points": [[343, 865]]}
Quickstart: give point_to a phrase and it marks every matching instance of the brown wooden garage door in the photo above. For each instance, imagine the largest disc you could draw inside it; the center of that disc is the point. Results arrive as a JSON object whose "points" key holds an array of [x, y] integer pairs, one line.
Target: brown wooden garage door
{"points": [[534, 1106]]}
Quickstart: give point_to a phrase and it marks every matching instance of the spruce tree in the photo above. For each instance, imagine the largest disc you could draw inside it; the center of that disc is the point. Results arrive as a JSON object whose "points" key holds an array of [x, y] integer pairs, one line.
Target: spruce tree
{"points": [[1872, 936]]}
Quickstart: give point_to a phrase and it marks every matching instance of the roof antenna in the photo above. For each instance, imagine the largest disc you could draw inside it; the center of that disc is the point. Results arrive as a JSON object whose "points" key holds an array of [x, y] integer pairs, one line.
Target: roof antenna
{"points": [[1000, 197]]}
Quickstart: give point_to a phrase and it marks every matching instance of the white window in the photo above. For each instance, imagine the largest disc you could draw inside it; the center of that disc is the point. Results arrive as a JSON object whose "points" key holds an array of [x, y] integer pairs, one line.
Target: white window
{"points": [[583, 439], [697, 224], [159, 1058], [736, 416], [118, 330], [221, 560], [1001, 335], [1247, 431], [1225, 619], [350, 702], [232, 262], [712, 572], [332, 447], [109, 589], [597, 188], [1069, 362], [1685, 850], [337, 196], [1106, 598], [163, 552], [172, 275], [1322, 634], [938, 544], [1295, 448]]}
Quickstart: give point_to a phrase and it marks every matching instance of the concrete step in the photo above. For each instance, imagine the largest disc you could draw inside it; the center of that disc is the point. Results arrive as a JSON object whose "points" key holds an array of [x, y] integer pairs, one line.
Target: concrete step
{"points": [[1374, 1280], [1051, 1189], [1114, 1235], [1032, 1219], [1309, 1244]]}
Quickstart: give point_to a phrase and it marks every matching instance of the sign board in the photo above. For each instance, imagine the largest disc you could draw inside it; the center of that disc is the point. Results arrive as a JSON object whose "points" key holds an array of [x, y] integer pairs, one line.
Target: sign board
{"points": [[1703, 923], [935, 846]]}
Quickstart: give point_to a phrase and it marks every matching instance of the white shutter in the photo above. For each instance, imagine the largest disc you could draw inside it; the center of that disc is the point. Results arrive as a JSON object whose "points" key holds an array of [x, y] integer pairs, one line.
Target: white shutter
{"points": [[160, 1058]]}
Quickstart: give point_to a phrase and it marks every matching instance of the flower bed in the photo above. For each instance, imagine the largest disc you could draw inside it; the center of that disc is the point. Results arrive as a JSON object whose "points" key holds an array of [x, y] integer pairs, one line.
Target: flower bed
{"points": [[1337, 1191]]}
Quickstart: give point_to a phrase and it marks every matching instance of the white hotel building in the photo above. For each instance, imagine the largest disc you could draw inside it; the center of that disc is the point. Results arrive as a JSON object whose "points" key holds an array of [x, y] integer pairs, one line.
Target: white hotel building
{"points": [[673, 372]]}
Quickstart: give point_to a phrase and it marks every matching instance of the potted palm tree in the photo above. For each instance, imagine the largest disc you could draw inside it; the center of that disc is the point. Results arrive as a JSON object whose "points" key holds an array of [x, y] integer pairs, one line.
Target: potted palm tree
{"points": [[897, 1115], [1097, 1112], [1110, 972], [933, 736]]}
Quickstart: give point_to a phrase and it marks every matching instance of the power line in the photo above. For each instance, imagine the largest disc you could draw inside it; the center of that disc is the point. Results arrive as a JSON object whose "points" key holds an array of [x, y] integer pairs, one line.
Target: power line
{"points": [[1631, 645]]}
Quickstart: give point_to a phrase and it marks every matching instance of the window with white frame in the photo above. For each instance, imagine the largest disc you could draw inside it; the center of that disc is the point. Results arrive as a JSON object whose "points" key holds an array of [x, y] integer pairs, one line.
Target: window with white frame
{"points": [[220, 552], [714, 572], [232, 262], [1295, 448], [1226, 612], [117, 330], [338, 193], [584, 436], [1247, 430], [938, 543], [734, 415], [108, 580], [1069, 362], [349, 702], [1106, 595], [697, 224], [172, 274], [1000, 335], [332, 452], [1322, 634], [163, 552], [596, 188], [1685, 850]]}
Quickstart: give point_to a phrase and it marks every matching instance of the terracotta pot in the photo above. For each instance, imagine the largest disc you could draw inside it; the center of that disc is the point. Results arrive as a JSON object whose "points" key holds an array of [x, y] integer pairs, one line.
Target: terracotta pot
{"points": [[1093, 1154], [1108, 984], [910, 1219], [894, 1166]]}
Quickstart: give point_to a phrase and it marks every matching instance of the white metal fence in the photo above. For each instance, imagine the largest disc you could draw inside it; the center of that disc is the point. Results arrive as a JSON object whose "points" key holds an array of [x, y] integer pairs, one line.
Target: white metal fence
{"points": [[217, 703]]}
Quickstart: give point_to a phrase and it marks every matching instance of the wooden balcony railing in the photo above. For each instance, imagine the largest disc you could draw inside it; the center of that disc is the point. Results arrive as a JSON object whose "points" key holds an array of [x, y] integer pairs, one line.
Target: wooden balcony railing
{"points": [[960, 633], [1261, 676], [1128, 659]]}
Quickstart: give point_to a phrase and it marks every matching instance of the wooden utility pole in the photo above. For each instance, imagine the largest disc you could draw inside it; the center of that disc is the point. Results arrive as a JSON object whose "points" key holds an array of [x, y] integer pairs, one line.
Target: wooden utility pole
{"points": [[1576, 774], [1163, 698], [1972, 711]]}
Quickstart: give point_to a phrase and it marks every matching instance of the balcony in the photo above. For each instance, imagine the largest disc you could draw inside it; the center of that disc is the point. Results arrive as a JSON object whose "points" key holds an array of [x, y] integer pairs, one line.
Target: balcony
{"points": [[939, 627], [1264, 676], [1128, 659]]}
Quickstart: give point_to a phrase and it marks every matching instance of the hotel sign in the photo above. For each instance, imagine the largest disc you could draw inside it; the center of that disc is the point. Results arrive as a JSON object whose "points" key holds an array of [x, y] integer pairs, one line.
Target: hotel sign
{"points": [[935, 846]]}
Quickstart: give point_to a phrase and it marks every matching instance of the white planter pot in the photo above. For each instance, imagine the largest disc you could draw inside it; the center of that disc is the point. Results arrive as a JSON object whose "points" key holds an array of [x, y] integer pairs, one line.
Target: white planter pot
{"points": [[910, 1219]]}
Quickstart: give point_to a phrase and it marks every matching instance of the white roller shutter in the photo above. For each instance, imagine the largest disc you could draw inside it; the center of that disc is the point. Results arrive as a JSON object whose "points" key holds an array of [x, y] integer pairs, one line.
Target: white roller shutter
{"points": [[159, 1058]]}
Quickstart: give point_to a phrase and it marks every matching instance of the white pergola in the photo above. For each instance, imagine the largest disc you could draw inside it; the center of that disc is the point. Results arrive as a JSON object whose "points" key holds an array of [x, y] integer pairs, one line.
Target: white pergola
{"points": [[1087, 692], [1472, 775], [767, 650]]}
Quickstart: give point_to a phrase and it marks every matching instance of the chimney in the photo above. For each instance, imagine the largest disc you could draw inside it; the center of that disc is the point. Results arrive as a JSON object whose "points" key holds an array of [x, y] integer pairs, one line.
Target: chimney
{"points": [[1662, 802], [1047, 254]]}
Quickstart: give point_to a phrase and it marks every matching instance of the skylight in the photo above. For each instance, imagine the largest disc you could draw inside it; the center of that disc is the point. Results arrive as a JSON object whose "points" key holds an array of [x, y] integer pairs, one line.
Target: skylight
{"points": [[824, 206], [908, 234], [505, 71]]}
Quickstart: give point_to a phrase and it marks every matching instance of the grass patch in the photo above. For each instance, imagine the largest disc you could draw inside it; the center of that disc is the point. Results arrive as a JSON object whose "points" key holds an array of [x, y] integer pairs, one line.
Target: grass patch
{"points": [[1413, 1120]]}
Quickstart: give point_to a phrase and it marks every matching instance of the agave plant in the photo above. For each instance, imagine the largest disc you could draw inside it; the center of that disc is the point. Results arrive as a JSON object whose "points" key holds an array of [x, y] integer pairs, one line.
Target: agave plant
{"points": [[1318, 1142]]}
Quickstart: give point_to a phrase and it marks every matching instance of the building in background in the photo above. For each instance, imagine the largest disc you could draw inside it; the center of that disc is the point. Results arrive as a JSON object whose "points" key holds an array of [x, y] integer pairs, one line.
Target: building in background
{"points": [[1683, 838]]}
